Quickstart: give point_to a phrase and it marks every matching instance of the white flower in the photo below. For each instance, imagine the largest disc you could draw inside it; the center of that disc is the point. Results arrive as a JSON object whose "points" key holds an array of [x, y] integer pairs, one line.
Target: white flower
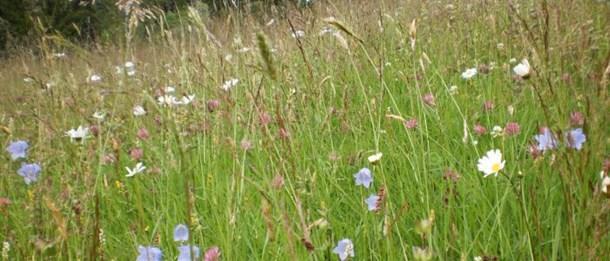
{"points": [[77, 134], [496, 131], [228, 85], [59, 55], [422, 254], [170, 100], [169, 89], [138, 111], [186, 100], [511, 109], [326, 30], [48, 85], [453, 90], [167, 100], [298, 34], [522, 69], [94, 78], [137, 169], [130, 68], [99, 115], [469, 73], [491, 163], [605, 182], [129, 65], [375, 157]]}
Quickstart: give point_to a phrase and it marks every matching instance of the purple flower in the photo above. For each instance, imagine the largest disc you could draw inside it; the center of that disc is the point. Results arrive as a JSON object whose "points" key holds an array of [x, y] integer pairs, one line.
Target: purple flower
{"points": [[344, 249], [576, 138], [18, 149], [410, 124], [364, 177], [181, 233], [149, 253], [213, 105], [372, 202], [546, 140], [512, 128], [185, 253], [212, 254], [429, 99], [29, 172]]}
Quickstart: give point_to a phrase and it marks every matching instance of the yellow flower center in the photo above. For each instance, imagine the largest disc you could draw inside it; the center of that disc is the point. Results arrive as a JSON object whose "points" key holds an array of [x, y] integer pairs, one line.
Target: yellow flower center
{"points": [[495, 167]]}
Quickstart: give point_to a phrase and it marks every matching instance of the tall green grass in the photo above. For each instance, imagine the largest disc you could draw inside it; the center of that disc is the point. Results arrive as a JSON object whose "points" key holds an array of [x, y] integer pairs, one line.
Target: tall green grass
{"points": [[333, 100]]}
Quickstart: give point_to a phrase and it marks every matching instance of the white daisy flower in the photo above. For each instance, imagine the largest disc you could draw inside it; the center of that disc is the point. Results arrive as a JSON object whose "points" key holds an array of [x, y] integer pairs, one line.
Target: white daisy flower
{"points": [[99, 115], [186, 100], [138, 111], [522, 69], [469, 73], [78, 134], [375, 157], [167, 100], [95, 78], [298, 34], [497, 131], [228, 85], [605, 182], [326, 30], [491, 163], [169, 89], [129, 65], [453, 90], [139, 168]]}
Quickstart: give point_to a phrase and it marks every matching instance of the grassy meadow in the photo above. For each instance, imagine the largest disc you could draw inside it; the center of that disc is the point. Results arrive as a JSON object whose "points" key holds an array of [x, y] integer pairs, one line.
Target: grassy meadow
{"points": [[254, 128]]}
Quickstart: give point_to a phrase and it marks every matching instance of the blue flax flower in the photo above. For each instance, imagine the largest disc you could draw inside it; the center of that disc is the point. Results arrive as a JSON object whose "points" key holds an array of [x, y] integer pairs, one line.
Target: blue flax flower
{"points": [[364, 177], [576, 138], [29, 172], [181, 233], [372, 202], [344, 249], [185, 253], [149, 253], [18, 149], [546, 140]]}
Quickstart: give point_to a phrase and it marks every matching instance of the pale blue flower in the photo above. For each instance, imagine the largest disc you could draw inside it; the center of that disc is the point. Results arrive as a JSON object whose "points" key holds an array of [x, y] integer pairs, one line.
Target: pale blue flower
{"points": [[576, 138], [185, 253], [18, 149], [181, 233], [546, 140], [364, 177], [29, 172], [149, 253], [372, 202], [344, 248]]}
